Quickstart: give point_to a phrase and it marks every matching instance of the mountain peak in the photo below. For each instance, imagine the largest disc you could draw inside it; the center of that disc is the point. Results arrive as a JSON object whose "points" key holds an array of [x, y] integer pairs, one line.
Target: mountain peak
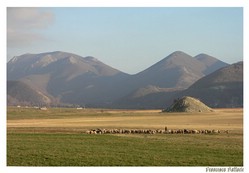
{"points": [[179, 58], [211, 62], [201, 55], [205, 57], [91, 58], [178, 53]]}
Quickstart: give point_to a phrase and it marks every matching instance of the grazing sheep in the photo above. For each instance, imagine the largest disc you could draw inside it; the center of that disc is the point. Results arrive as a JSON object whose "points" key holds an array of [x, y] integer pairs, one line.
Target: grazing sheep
{"points": [[92, 132], [173, 131], [99, 131], [150, 131], [202, 131], [208, 131], [195, 131], [215, 131], [180, 131], [186, 131], [169, 131], [115, 131], [127, 131], [153, 131]]}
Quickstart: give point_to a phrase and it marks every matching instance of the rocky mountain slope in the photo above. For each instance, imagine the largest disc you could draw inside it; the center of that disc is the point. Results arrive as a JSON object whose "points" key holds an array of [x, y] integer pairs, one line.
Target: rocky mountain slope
{"points": [[19, 93], [222, 88], [66, 78]]}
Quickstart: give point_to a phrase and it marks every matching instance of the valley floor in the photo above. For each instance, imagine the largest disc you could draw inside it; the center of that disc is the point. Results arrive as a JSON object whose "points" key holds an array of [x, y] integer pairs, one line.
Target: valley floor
{"points": [[55, 137]]}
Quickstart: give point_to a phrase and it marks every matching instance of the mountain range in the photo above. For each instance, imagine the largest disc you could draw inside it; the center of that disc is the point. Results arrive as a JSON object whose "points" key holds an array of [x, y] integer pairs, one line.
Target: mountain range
{"points": [[61, 78]]}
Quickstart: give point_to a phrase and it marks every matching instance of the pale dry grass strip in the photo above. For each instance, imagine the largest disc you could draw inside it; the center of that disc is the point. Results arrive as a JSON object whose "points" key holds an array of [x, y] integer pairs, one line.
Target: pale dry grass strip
{"points": [[222, 119]]}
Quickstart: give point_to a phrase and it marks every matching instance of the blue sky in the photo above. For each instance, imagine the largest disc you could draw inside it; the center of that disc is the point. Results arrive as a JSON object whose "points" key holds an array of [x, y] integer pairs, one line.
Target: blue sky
{"points": [[129, 39]]}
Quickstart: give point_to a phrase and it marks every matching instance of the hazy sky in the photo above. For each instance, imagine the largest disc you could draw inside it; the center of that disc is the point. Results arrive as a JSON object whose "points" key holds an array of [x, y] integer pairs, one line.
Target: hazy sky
{"points": [[129, 39]]}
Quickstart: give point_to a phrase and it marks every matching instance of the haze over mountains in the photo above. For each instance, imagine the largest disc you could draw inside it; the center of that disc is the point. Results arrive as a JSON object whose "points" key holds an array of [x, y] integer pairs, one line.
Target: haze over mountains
{"points": [[61, 78]]}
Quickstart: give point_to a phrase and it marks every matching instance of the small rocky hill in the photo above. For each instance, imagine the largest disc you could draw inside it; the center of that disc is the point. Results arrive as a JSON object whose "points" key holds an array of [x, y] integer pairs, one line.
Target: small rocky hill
{"points": [[188, 104]]}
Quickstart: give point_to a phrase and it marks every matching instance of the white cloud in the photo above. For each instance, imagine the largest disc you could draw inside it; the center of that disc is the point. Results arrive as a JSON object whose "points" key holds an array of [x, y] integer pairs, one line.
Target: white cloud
{"points": [[24, 24]]}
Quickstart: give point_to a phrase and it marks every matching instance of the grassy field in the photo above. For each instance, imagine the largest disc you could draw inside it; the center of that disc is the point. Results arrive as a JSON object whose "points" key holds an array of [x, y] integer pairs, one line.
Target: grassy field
{"points": [[55, 138]]}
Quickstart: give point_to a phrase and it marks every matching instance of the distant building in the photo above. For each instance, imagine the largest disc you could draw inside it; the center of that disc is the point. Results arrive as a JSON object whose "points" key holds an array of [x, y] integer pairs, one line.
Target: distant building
{"points": [[43, 108]]}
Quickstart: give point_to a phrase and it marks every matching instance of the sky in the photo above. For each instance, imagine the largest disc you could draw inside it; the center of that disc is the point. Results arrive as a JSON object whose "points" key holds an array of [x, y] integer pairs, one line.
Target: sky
{"points": [[127, 38]]}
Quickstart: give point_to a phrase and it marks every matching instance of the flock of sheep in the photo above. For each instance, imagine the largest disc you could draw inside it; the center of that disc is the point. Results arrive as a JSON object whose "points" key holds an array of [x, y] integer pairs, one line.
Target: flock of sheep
{"points": [[150, 131]]}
